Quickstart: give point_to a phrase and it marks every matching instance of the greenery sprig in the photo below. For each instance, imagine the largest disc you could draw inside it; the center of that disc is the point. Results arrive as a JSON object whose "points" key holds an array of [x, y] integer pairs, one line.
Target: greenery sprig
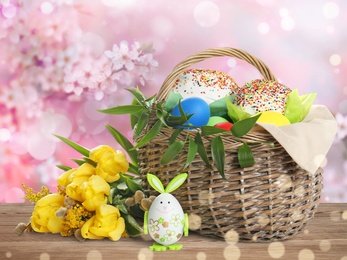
{"points": [[143, 108]]}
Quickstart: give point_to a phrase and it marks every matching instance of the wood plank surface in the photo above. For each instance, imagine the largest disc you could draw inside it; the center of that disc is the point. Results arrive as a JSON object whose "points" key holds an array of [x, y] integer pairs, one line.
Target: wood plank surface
{"points": [[325, 238]]}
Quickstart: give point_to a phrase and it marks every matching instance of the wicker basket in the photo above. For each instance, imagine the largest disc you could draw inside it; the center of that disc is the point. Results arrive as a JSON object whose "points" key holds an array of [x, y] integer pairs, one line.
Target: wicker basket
{"points": [[272, 200]]}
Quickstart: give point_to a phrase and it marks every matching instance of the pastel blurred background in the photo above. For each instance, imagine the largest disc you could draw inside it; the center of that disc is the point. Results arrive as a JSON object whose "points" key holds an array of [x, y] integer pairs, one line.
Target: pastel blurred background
{"points": [[62, 60]]}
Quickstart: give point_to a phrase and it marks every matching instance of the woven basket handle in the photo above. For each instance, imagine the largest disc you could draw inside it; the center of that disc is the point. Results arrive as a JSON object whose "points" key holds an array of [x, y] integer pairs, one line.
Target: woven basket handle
{"points": [[210, 53]]}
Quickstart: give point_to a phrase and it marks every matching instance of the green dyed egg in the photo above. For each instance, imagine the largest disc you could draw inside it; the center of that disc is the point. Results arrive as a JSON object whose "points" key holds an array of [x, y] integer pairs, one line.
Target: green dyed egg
{"points": [[215, 120]]}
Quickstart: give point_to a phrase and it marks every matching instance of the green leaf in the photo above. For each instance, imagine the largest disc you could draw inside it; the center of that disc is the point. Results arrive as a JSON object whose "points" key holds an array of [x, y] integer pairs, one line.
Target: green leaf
{"points": [[63, 167], [162, 114], [172, 100], [133, 169], [219, 107], [138, 96], [90, 161], [218, 154], [235, 112], [150, 134], [202, 150], [141, 124], [210, 130], [245, 156], [136, 211], [74, 145], [242, 127], [78, 161], [174, 135], [297, 106], [131, 226], [171, 152], [177, 120], [122, 110], [125, 143], [192, 150], [133, 185], [122, 209], [134, 117]]}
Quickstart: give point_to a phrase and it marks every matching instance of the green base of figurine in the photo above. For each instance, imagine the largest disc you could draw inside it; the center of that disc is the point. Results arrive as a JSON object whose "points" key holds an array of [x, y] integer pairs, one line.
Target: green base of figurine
{"points": [[159, 247]]}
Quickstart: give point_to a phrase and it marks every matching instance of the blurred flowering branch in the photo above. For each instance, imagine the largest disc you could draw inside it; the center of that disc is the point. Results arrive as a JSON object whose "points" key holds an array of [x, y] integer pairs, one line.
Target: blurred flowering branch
{"points": [[47, 59]]}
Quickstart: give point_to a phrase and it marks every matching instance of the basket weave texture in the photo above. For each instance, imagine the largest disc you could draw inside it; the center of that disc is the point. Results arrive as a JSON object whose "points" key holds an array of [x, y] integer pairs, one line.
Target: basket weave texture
{"points": [[272, 200]]}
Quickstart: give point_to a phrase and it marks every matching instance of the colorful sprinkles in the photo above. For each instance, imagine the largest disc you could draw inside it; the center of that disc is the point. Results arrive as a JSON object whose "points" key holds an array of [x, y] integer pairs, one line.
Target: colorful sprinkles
{"points": [[263, 95], [207, 84]]}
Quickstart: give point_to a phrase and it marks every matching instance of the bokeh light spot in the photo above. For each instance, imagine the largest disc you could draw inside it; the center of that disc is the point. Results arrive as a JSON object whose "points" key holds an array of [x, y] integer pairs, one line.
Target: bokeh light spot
{"points": [[306, 254], [94, 255], [8, 254], [145, 254], [331, 10], [335, 215], [276, 249], [284, 12], [201, 256], [194, 221], [231, 237], [324, 245], [344, 215], [5, 135], [306, 232], [118, 3], [263, 28], [287, 23], [46, 8], [39, 147], [44, 256], [9, 11], [335, 59], [232, 252], [232, 63], [206, 197], [206, 14]]}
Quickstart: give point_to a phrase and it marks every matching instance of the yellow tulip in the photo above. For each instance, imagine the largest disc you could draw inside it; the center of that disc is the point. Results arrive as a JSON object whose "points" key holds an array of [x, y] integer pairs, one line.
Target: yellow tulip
{"points": [[77, 175], [91, 193], [107, 222], [109, 162], [82, 173], [64, 179], [43, 218], [99, 151]]}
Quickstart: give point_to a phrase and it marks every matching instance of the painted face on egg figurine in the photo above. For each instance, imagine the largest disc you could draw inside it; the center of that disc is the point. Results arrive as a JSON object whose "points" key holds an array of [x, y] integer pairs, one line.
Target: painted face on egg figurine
{"points": [[165, 221]]}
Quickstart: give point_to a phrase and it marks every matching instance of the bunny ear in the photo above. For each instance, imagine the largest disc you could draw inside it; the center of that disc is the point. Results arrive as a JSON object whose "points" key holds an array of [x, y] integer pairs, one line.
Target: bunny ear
{"points": [[176, 182], [155, 183]]}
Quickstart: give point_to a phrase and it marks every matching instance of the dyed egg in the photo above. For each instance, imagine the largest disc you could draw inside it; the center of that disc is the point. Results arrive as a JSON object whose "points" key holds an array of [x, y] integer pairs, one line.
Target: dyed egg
{"points": [[196, 106], [209, 85], [224, 125], [215, 120], [166, 220], [271, 117], [262, 95]]}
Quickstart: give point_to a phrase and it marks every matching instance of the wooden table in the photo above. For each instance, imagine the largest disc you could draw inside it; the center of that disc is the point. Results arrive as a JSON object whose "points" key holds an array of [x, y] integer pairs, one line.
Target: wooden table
{"points": [[325, 238]]}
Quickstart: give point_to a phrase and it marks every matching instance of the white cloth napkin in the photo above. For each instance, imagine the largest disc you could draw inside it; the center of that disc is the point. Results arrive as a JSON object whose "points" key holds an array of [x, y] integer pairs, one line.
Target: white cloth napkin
{"points": [[309, 141]]}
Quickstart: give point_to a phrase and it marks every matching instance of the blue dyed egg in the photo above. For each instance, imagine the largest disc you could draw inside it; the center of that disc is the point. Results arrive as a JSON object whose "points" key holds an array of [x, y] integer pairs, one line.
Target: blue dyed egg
{"points": [[196, 106]]}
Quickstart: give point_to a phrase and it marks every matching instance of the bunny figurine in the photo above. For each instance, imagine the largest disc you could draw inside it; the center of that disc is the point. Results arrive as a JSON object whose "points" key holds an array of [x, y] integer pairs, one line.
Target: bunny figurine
{"points": [[165, 221]]}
